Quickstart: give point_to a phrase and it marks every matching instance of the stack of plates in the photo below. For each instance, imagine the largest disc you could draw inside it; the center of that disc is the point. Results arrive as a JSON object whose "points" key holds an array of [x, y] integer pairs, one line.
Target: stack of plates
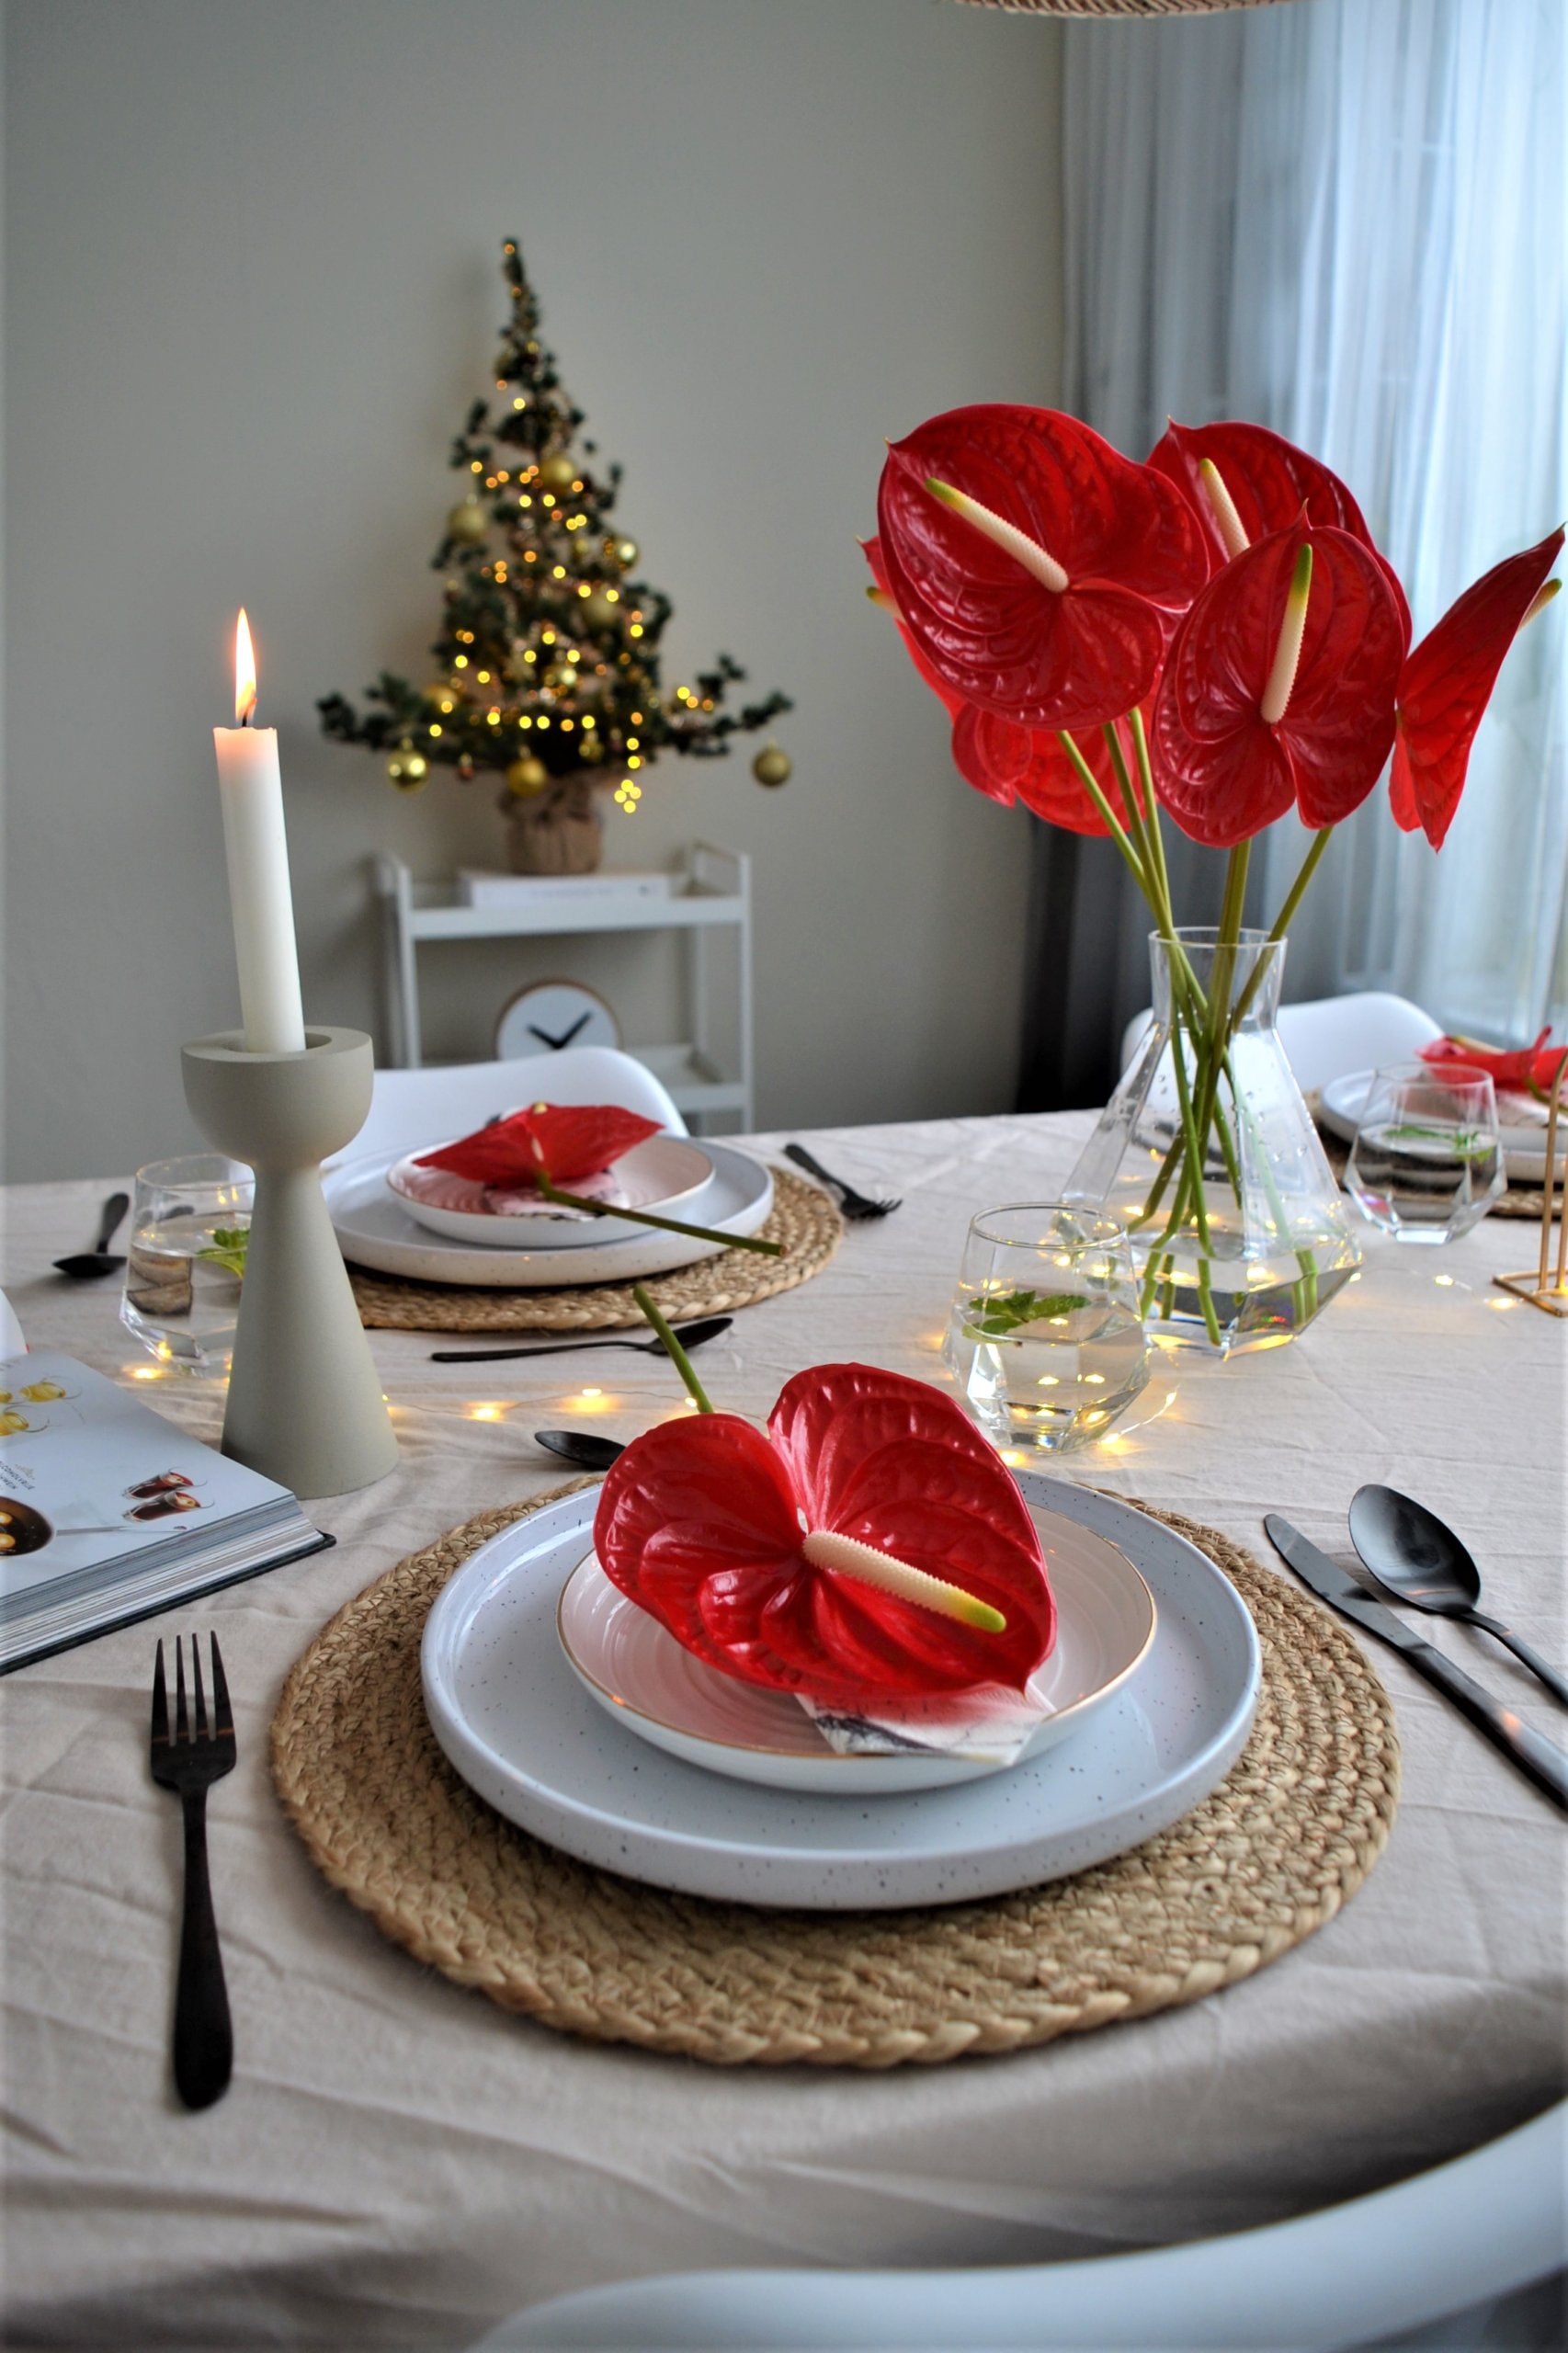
{"points": [[392, 1216], [579, 1725]]}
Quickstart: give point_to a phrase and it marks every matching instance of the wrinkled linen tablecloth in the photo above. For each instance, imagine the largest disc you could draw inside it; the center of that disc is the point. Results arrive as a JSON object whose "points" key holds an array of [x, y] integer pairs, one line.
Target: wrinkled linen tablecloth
{"points": [[399, 2164]]}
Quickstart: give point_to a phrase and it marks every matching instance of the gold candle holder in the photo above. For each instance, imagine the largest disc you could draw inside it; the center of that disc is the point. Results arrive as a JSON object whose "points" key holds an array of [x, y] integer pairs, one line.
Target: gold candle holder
{"points": [[1549, 1293]]}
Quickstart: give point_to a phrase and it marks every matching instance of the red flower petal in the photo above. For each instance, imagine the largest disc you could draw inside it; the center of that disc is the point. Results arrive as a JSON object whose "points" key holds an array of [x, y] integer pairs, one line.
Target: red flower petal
{"points": [[565, 1141], [872, 549], [1271, 483], [1131, 551], [1514, 1067], [1009, 763], [1447, 683], [1224, 771], [699, 1522]]}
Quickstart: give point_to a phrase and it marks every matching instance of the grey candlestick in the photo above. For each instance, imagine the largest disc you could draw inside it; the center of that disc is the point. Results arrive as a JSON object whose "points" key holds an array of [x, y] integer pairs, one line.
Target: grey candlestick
{"points": [[305, 1404]]}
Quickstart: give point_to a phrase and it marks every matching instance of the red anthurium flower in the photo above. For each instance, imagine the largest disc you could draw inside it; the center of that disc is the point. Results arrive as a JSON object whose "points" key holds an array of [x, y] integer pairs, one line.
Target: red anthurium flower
{"points": [[1242, 731], [1265, 482], [952, 702], [1044, 581], [1006, 762], [1526, 1069], [724, 1535], [1010, 763], [564, 1141], [1447, 683]]}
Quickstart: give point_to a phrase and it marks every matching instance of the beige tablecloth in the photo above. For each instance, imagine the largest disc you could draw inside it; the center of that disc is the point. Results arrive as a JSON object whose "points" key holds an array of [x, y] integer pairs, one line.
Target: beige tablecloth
{"points": [[398, 2162]]}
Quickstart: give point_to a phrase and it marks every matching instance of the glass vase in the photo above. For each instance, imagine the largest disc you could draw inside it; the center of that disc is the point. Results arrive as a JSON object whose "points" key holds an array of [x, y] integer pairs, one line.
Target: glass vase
{"points": [[1208, 1155]]}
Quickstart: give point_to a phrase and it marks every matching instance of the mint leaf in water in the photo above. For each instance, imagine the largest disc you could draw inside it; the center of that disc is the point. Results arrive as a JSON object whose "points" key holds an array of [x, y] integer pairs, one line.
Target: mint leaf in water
{"points": [[1000, 1313], [230, 1244]]}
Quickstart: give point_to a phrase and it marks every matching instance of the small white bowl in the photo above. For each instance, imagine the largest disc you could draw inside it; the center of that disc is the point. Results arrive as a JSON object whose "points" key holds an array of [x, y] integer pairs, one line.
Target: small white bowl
{"points": [[659, 1174], [639, 1675]]}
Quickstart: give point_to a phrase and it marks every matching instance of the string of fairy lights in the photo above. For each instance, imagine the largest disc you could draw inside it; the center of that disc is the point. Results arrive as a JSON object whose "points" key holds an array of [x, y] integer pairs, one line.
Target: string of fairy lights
{"points": [[547, 663]]}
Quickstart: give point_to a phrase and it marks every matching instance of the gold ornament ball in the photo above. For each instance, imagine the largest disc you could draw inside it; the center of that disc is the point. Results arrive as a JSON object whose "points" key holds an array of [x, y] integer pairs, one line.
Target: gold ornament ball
{"points": [[626, 554], [468, 522], [772, 767], [598, 610], [527, 777], [557, 473], [561, 677], [407, 768]]}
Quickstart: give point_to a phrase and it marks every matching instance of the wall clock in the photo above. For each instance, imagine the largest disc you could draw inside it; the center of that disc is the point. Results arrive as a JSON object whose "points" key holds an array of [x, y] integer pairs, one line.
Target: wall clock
{"points": [[546, 1017]]}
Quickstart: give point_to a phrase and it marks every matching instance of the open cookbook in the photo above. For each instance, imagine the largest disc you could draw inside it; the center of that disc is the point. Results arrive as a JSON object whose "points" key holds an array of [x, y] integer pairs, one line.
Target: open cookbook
{"points": [[109, 1513]]}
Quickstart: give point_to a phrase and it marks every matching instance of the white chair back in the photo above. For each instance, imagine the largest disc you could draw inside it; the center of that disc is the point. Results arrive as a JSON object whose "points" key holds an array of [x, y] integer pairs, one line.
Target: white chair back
{"points": [[1414, 2258], [1328, 1037], [410, 1108]]}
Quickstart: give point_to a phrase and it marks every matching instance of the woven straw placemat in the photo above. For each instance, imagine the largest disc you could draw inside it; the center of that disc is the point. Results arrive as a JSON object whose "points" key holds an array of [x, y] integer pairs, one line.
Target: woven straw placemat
{"points": [[802, 1219], [1269, 1857]]}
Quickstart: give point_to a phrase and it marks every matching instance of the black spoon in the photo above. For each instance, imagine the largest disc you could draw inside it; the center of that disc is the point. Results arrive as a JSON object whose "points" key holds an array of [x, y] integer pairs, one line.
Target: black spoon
{"points": [[691, 1335], [1410, 1551], [589, 1453], [85, 1266]]}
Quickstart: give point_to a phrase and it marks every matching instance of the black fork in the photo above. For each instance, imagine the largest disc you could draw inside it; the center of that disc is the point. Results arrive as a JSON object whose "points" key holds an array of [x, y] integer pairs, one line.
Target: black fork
{"points": [[189, 1761]]}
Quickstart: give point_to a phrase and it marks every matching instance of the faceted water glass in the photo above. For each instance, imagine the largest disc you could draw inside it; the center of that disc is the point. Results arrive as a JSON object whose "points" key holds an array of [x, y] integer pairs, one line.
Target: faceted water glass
{"points": [[1045, 1339], [189, 1221], [1427, 1163]]}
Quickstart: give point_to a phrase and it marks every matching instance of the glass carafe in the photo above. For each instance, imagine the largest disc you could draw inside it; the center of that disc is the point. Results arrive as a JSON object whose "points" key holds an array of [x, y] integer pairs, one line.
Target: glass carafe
{"points": [[1208, 1155]]}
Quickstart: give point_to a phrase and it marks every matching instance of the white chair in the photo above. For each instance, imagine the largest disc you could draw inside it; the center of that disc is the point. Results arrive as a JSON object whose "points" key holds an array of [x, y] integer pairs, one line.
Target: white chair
{"points": [[1446, 2242], [418, 1106], [1329, 1036]]}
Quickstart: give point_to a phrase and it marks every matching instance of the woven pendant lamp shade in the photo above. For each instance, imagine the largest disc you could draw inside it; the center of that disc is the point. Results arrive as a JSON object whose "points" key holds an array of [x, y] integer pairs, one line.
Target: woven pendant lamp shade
{"points": [[1117, 7]]}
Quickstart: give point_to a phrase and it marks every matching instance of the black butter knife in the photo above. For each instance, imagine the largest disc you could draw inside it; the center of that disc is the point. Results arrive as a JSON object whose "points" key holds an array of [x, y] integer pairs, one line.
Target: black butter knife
{"points": [[1544, 1763]]}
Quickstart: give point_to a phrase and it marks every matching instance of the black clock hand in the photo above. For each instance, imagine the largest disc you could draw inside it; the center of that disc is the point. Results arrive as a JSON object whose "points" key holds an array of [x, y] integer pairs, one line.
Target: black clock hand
{"points": [[555, 1044]]}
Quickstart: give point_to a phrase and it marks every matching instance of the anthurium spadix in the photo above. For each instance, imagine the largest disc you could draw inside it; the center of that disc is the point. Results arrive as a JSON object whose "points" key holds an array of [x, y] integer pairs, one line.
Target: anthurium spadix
{"points": [[1446, 684], [1244, 482], [1278, 690], [1044, 575]]}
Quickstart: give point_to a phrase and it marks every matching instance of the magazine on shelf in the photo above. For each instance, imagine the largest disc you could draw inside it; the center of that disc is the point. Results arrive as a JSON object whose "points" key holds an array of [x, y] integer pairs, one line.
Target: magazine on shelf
{"points": [[108, 1512], [486, 887]]}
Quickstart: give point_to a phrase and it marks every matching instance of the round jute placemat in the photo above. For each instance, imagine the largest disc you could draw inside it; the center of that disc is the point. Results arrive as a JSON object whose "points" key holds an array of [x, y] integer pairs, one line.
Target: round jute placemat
{"points": [[1272, 1854], [802, 1218]]}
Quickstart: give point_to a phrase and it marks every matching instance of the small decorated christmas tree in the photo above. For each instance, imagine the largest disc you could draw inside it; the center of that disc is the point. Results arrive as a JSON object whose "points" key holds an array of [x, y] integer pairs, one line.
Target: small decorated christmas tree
{"points": [[547, 659]]}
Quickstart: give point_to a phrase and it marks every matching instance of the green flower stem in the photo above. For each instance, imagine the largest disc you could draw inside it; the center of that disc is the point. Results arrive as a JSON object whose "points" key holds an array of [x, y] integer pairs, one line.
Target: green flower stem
{"points": [[673, 1350], [666, 1224], [1282, 921], [1091, 785]]}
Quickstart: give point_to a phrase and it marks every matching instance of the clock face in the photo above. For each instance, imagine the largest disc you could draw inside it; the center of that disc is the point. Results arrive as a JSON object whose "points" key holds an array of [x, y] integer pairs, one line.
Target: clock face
{"points": [[549, 1016]]}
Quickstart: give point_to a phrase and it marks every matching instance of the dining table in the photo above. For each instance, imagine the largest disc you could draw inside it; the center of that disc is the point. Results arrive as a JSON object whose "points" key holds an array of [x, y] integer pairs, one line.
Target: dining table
{"points": [[399, 2161]]}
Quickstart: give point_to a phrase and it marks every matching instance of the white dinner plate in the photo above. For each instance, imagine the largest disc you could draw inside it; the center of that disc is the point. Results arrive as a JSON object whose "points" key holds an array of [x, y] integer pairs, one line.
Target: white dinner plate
{"points": [[635, 1669], [519, 1726], [661, 1173], [1524, 1148], [376, 1230]]}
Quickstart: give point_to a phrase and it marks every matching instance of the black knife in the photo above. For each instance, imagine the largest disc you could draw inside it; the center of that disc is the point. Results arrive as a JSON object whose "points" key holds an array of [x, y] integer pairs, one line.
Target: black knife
{"points": [[1545, 1763]]}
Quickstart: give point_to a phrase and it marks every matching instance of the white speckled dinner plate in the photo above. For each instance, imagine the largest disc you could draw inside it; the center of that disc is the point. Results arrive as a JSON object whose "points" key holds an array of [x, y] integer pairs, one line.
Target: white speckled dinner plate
{"points": [[375, 1229], [644, 1678], [521, 1729]]}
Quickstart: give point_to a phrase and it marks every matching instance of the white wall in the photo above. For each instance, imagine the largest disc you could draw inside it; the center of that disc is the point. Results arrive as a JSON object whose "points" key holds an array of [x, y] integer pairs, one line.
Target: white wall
{"points": [[252, 285]]}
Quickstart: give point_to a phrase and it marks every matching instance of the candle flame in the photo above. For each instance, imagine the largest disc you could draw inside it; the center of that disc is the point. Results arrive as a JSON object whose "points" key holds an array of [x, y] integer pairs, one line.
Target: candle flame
{"points": [[244, 671]]}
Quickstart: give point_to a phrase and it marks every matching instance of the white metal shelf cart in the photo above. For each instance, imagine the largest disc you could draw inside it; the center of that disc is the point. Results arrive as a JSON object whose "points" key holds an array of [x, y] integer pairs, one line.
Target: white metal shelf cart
{"points": [[711, 889]]}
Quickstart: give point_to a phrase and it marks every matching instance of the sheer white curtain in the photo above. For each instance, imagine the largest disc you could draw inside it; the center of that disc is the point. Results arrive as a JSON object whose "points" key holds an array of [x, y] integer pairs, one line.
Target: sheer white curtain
{"points": [[1346, 219]]}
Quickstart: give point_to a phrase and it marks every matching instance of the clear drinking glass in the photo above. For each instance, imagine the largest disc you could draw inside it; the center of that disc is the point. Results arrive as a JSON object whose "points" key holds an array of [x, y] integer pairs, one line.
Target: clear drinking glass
{"points": [[1045, 1337], [1427, 1163], [189, 1221]]}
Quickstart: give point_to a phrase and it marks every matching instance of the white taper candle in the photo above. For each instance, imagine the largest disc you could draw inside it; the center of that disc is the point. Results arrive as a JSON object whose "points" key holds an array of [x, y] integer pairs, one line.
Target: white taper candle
{"points": [[250, 785]]}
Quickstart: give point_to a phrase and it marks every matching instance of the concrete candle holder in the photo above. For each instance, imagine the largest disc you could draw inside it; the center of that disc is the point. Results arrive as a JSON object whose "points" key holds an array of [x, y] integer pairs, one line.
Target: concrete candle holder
{"points": [[305, 1404]]}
